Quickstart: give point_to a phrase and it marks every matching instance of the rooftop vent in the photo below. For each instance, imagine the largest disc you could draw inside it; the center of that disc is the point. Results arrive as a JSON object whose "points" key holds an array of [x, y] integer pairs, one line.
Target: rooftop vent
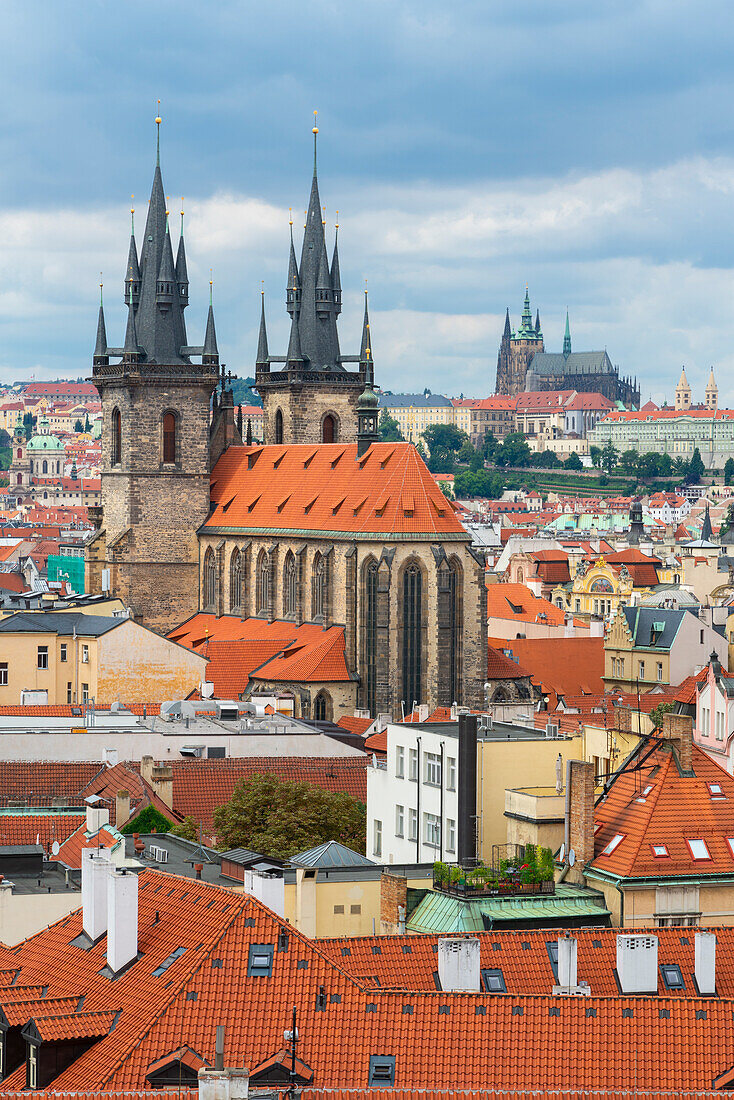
{"points": [[459, 964], [637, 963]]}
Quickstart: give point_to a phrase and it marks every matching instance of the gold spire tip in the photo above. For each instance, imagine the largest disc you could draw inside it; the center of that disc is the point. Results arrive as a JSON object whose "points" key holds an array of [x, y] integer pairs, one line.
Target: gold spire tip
{"points": [[158, 119], [336, 223], [315, 127], [290, 215]]}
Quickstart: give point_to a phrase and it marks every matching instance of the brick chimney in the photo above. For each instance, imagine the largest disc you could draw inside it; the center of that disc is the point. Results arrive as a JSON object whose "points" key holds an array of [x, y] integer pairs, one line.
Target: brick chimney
{"points": [[393, 903], [162, 781], [580, 783], [678, 729], [623, 719], [122, 808]]}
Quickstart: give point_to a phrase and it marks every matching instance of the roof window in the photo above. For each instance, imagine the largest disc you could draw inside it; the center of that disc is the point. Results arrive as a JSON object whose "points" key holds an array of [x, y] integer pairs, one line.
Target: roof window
{"points": [[645, 792], [730, 842], [659, 850], [382, 1069], [551, 947], [716, 790], [698, 849], [613, 844], [260, 960], [494, 981], [168, 962], [672, 976]]}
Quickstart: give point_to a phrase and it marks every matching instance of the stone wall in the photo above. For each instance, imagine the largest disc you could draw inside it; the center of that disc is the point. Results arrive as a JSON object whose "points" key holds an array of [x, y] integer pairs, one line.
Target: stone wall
{"points": [[304, 405], [393, 894]]}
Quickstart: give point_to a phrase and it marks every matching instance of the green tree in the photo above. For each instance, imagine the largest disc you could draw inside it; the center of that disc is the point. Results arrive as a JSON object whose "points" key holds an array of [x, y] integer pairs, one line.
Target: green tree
{"points": [[609, 457], [87, 424], [78, 426], [629, 461], [729, 471], [544, 460], [514, 451], [29, 423], [573, 462], [389, 429], [695, 467], [446, 489], [147, 821], [595, 453], [656, 715], [188, 829], [489, 445], [280, 818], [728, 524], [444, 442]]}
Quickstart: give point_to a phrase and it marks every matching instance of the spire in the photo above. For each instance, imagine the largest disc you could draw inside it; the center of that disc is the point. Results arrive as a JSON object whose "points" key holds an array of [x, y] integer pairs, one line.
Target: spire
{"points": [[336, 283], [211, 351], [527, 328], [248, 437], [101, 357], [293, 286], [537, 323], [164, 292], [508, 327], [262, 340], [365, 352], [182, 275], [294, 343], [132, 279], [131, 351], [706, 529], [567, 339]]}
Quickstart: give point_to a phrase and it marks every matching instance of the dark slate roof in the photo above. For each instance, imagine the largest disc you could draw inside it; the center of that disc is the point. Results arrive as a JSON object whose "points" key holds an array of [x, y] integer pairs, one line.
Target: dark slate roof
{"points": [[417, 400], [645, 621], [59, 622], [331, 854], [578, 362]]}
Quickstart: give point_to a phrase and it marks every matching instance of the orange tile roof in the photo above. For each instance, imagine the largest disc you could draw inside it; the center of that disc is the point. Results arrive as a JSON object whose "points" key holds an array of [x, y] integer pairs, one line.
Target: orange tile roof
{"points": [[325, 488], [517, 603], [500, 667], [676, 809], [20, 827], [315, 659], [199, 786], [376, 742], [23, 781], [355, 725], [17, 1013], [559, 666], [81, 1025], [70, 853]]}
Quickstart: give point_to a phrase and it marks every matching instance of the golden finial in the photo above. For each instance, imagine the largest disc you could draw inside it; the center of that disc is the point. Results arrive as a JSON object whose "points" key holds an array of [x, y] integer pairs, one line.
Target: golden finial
{"points": [[336, 224], [305, 218], [315, 127], [132, 208], [158, 119], [290, 215], [101, 284], [262, 287], [323, 215], [182, 206], [167, 204]]}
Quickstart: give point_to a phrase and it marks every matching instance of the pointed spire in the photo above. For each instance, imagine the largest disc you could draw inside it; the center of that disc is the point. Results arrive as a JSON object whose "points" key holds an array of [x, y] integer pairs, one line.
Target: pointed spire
{"points": [[537, 323], [101, 357], [336, 282], [294, 343], [182, 275], [293, 286], [507, 333], [248, 438], [211, 351], [262, 340], [706, 529], [158, 121], [239, 420], [527, 328], [315, 132], [567, 339], [132, 280], [164, 293], [130, 351], [366, 346]]}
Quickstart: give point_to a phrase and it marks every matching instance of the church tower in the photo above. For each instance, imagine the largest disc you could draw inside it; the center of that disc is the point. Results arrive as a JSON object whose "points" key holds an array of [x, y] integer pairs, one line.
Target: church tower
{"points": [[682, 393], [517, 350], [313, 397], [712, 392], [20, 470], [155, 433]]}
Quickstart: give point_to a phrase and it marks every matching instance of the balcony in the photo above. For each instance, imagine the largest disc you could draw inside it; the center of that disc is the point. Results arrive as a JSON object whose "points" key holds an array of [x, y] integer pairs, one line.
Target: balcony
{"points": [[516, 871]]}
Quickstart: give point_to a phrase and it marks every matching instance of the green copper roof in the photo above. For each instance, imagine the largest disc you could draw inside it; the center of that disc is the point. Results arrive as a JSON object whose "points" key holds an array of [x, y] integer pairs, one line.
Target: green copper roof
{"points": [[438, 912]]}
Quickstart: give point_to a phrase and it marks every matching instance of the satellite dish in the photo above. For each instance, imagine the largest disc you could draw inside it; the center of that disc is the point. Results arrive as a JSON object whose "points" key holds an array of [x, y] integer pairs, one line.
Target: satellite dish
{"points": [[55, 848], [562, 853], [571, 857]]}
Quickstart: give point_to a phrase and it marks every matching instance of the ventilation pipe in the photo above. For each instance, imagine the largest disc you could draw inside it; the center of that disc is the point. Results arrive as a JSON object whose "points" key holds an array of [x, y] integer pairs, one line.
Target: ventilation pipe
{"points": [[567, 961], [122, 914], [95, 868], [637, 963], [459, 964], [705, 956]]}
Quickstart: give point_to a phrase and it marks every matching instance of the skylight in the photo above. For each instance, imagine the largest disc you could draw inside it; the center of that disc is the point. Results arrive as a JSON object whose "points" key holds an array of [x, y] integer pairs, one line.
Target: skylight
{"points": [[716, 790], [382, 1069], [659, 850], [730, 842], [260, 960], [613, 844], [494, 981], [645, 792], [672, 976], [698, 849]]}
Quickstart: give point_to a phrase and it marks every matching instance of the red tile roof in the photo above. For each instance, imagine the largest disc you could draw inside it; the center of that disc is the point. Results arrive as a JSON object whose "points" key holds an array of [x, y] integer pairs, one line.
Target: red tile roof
{"points": [[559, 666], [23, 827], [642, 567], [21, 781], [82, 1025], [517, 603], [199, 786], [676, 809], [500, 667], [353, 724], [389, 491]]}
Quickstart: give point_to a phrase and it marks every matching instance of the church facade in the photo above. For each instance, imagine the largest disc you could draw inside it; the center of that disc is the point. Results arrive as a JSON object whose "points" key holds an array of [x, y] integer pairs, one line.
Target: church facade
{"points": [[524, 364], [321, 525]]}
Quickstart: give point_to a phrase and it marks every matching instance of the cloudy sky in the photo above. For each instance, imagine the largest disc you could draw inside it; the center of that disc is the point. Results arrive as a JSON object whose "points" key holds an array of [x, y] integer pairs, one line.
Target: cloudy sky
{"points": [[584, 148]]}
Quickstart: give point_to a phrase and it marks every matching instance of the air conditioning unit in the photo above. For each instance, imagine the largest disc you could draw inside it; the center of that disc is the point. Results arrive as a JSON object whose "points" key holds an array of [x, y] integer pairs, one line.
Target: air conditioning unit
{"points": [[485, 722], [192, 750], [160, 855]]}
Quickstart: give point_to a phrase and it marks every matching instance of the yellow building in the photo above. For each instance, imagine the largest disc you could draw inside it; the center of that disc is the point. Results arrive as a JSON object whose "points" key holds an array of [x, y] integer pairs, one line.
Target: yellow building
{"points": [[415, 412], [598, 588], [54, 657], [649, 646]]}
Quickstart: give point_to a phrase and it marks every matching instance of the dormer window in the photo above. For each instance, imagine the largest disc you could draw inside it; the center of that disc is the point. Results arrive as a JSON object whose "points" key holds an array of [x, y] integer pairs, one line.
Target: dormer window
{"points": [[613, 844]]}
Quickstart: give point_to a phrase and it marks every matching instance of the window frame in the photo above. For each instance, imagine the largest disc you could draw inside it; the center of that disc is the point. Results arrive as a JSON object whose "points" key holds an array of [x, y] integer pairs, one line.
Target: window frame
{"points": [[63, 652], [431, 829], [169, 438], [431, 769], [400, 762], [413, 765], [493, 973], [42, 657], [399, 820], [4, 670], [377, 837], [675, 985], [386, 1079], [690, 841], [260, 950], [664, 854]]}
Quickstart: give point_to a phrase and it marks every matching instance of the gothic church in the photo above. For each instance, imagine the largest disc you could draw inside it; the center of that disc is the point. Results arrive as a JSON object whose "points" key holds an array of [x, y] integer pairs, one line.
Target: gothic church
{"points": [[323, 527]]}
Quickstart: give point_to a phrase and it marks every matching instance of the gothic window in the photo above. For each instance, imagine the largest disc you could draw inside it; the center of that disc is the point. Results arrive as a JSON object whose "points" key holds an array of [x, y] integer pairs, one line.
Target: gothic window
{"points": [[278, 426], [263, 584], [44, 468], [289, 587], [235, 581], [20, 479], [31, 464], [116, 453], [454, 609], [210, 579], [412, 635], [322, 707], [370, 640], [328, 429], [318, 587], [169, 437]]}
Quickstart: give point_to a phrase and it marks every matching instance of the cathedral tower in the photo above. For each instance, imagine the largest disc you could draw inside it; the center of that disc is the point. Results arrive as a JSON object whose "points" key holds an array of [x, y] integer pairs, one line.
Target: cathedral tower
{"points": [[683, 393], [517, 350], [155, 434], [313, 397], [712, 392]]}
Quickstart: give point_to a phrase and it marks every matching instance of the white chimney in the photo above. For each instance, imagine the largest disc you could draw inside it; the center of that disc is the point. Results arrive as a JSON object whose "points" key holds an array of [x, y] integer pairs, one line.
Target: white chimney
{"points": [[97, 816], [95, 867], [122, 915], [567, 955], [224, 1084], [596, 628], [459, 964], [705, 955], [637, 963], [423, 712]]}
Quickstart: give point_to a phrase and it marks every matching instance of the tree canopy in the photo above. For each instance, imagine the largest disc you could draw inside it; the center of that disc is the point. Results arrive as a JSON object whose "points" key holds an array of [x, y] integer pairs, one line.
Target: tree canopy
{"points": [[147, 821], [513, 451], [573, 462], [389, 428], [280, 818], [444, 441]]}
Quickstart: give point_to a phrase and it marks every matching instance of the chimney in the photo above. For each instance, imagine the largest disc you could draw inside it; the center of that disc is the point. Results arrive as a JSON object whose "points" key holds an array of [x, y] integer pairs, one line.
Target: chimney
{"points": [[224, 1084], [467, 794], [97, 816], [162, 782], [6, 893], [567, 956], [95, 866], [596, 627], [423, 712], [622, 719], [122, 808], [146, 769], [122, 914], [705, 965], [459, 964], [580, 814], [637, 963], [678, 729]]}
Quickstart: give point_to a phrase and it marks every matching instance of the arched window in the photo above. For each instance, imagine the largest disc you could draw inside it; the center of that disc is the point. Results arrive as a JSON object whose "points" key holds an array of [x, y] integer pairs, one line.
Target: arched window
{"points": [[412, 635], [20, 452], [44, 468], [31, 465], [328, 429], [235, 581], [370, 637], [455, 610], [318, 587], [290, 593], [116, 450], [322, 707], [20, 479], [263, 584], [169, 438], [210, 579], [278, 426]]}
